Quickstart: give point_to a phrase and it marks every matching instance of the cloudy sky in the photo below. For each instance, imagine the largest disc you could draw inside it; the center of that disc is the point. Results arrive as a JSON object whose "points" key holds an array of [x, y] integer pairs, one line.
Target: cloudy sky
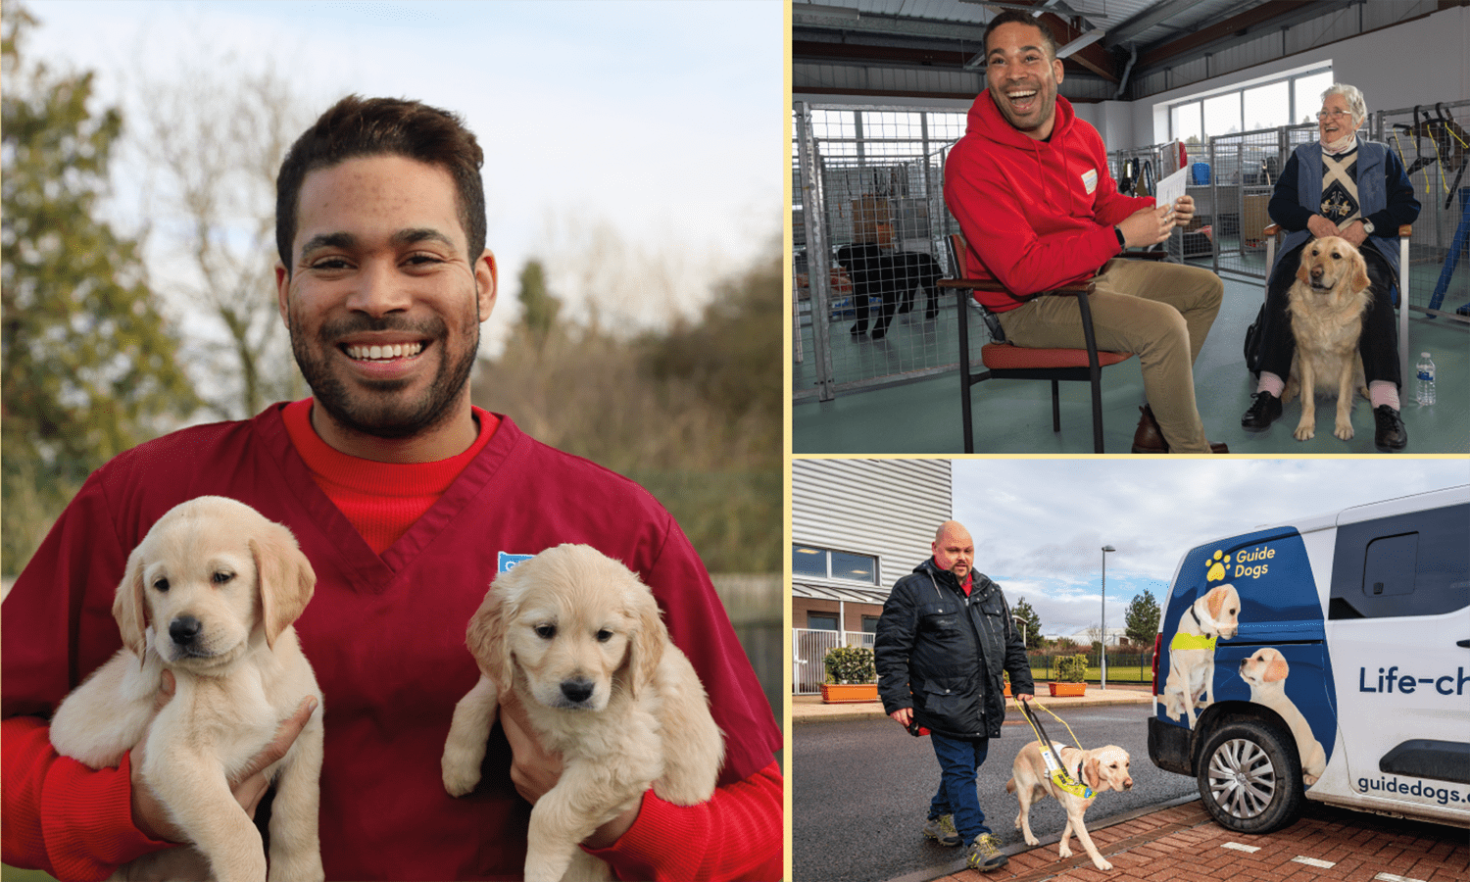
{"points": [[657, 123], [1039, 524]]}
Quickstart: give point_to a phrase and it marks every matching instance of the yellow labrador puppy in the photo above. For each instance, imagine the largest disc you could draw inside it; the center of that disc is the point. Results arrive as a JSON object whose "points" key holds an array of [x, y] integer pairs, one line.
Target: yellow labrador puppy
{"points": [[1102, 768], [1266, 671], [580, 640], [209, 594], [1326, 304], [1190, 687]]}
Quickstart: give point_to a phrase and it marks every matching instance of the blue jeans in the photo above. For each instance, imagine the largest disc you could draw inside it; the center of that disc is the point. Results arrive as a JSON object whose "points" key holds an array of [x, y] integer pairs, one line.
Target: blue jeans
{"points": [[959, 765]]}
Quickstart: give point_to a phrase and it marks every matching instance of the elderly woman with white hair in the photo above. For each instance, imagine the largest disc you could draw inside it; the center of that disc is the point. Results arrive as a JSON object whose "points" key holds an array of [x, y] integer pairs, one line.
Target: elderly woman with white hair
{"points": [[1347, 186]]}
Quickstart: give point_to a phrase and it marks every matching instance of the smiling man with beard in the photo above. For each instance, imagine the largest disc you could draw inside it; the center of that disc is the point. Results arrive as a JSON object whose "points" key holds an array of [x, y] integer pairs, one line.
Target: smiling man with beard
{"points": [[1030, 187], [408, 501]]}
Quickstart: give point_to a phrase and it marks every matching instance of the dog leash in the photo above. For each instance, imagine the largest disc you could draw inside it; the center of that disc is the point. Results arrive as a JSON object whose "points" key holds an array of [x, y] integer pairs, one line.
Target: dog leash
{"points": [[1056, 770]]}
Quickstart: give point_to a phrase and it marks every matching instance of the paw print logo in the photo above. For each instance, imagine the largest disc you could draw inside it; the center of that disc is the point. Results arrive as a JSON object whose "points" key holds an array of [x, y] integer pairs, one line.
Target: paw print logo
{"points": [[1217, 566]]}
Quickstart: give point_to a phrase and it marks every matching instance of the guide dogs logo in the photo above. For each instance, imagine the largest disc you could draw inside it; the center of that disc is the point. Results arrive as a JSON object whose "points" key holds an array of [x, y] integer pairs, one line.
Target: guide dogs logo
{"points": [[1249, 564], [1219, 566]]}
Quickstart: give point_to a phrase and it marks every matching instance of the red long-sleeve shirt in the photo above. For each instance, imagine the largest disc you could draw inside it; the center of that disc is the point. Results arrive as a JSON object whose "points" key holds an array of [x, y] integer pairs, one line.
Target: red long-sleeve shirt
{"points": [[385, 635]]}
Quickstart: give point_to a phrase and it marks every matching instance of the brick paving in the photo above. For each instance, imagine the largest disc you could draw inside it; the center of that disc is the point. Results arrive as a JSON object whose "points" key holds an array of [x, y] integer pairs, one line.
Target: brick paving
{"points": [[1182, 844]]}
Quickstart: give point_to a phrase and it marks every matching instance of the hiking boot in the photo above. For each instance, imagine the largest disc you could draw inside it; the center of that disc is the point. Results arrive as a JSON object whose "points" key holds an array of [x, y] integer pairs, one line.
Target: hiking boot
{"points": [[984, 854], [941, 830]]}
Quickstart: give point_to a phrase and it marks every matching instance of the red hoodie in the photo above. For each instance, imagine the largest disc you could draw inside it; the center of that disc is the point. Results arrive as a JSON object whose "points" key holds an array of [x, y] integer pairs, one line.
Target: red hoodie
{"points": [[1036, 214]]}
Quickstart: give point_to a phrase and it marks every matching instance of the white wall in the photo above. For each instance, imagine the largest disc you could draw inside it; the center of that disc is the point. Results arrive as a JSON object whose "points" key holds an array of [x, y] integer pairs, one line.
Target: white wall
{"points": [[1418, 62], [889, 508]]}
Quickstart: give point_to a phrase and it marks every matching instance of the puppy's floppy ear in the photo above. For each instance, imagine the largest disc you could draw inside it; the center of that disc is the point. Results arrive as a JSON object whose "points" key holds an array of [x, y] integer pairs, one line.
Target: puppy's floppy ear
{"points": [[1215, 601], [485, 636], [650, 635], [286, 579], [1276, 670], [1092, 773], [128, 606]]}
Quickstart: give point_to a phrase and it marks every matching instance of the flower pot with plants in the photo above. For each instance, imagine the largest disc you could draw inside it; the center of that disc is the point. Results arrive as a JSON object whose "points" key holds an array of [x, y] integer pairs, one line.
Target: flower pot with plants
{"points": [[851, 675], [1071, 674]]}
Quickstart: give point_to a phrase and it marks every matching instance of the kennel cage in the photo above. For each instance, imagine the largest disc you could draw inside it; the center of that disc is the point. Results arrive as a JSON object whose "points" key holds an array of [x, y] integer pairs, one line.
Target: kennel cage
{"points": [[869, 178]]}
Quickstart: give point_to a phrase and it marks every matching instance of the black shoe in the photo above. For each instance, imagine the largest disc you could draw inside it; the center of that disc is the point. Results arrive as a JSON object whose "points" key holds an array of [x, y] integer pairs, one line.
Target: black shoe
{"points": [[1263, 412], [1388, 429]]}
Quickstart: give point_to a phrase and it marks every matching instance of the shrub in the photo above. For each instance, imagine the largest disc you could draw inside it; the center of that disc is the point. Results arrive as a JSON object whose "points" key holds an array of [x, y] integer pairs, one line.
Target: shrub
{"points": [[850, 664], [1072, 668]]}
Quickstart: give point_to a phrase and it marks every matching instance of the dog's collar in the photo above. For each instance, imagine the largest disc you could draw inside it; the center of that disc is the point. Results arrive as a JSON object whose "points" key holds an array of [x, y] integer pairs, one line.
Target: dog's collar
{"points": [[1192, 641]]}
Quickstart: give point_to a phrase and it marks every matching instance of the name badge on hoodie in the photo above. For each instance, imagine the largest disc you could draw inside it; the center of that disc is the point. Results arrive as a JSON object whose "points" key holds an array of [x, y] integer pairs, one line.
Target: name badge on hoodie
{"points": [[1089, 180]]}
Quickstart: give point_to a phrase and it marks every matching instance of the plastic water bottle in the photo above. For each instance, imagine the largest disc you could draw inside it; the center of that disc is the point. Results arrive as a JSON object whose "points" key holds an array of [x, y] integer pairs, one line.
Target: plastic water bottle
{"points": [[1424, 390]]}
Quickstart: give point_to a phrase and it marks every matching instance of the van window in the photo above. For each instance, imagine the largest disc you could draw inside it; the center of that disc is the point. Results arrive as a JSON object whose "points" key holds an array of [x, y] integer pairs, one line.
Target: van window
{"points": [[1415, 564]]}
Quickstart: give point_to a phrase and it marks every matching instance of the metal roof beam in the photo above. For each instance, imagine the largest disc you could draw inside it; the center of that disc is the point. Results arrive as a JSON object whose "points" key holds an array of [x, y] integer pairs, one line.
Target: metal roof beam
{"points": [[1122, 32], [1238, 29]]}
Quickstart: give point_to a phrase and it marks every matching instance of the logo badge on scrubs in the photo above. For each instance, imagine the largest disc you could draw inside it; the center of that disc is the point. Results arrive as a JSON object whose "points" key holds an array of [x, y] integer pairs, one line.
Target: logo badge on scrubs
{"points": [[508, 561]]}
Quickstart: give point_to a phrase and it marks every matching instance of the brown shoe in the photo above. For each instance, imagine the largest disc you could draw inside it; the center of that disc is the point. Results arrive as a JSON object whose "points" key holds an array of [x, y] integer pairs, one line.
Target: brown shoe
{"points": [[1148, 438], [1218, 447]]}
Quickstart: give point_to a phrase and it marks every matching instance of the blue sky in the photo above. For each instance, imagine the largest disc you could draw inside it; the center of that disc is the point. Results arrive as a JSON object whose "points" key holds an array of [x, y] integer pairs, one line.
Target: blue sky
{"points": [[1039, 524], [654, 125]]}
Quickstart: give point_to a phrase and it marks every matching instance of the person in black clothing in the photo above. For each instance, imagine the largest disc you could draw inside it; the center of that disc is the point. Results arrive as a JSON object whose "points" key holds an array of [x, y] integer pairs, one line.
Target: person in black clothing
{"points": [[943, 641], [1346, 186]]}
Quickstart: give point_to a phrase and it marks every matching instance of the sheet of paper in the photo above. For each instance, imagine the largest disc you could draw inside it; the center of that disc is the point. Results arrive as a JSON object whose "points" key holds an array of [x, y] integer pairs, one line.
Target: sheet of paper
{"points": [[1171, 188]]}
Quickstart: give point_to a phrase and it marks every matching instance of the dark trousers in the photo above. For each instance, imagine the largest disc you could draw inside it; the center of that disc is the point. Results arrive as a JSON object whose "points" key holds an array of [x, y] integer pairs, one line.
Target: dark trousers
{"points": [[1380, 342], [959, 764]]}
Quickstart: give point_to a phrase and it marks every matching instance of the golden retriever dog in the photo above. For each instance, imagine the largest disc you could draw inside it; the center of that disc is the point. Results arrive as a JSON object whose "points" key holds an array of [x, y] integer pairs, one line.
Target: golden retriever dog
{"points": [[1266, 671], [1326, 303], [579, 639], [1190, 687], [209, 595], [1102, 768]]}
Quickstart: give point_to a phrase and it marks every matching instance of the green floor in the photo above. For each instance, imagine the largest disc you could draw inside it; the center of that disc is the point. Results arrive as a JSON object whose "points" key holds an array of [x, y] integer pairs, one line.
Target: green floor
{"points": [[1014, 416]]}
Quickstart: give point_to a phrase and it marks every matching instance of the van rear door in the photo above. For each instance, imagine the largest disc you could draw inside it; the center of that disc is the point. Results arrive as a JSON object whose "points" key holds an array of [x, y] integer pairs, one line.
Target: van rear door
{"points": [[1399, 628]]}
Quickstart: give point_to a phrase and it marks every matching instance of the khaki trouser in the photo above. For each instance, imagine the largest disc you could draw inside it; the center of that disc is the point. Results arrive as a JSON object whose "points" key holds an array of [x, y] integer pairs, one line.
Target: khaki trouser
{"points": [[1161, 312]]}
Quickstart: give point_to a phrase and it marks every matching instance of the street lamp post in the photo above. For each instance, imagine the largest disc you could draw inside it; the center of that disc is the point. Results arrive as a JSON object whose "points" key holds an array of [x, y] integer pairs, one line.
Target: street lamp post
{"points": [[1103, 643]]}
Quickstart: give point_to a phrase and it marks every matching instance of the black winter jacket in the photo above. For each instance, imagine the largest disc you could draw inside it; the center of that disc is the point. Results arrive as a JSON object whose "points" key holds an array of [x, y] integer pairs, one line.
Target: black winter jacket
{"points": [[942, 653]]}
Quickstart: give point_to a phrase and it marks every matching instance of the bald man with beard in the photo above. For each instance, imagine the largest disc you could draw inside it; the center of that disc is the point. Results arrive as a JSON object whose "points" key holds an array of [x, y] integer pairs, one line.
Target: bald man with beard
{"points": [[944, 639]]}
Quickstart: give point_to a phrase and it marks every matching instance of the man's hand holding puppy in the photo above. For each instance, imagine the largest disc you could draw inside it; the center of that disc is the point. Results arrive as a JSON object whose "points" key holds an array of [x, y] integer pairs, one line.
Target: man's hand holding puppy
{"points": [[248, 786], [535, 770]]}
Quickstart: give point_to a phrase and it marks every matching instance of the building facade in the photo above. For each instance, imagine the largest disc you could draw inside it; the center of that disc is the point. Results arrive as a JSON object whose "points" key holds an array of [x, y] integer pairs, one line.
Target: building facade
{"points": [[857, 526]]}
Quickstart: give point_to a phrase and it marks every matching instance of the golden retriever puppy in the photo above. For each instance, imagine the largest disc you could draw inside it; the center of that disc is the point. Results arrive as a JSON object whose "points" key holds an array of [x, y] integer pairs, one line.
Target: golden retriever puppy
{"points": [[209, 594], [1266, 671], [1190, 687], [1102, 768], [580, 640], [1326, 304]]}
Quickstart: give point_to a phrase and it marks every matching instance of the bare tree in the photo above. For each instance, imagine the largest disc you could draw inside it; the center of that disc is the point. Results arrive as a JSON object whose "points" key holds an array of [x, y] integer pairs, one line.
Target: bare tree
{"points": [[213, 136]]}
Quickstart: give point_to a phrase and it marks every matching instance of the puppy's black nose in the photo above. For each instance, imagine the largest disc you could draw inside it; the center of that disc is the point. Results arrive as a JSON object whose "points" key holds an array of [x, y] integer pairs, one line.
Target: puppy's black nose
{"points": [[577, 691], [184, 629]]}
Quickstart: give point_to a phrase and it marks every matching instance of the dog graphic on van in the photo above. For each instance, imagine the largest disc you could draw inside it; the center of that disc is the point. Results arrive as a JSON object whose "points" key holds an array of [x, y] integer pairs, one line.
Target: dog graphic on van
{"points": [[1265, 672], [1191, 684]]}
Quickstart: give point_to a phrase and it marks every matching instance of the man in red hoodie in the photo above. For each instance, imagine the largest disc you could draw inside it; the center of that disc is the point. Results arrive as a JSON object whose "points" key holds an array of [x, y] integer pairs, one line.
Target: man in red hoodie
{"points": [[1030, 187]]}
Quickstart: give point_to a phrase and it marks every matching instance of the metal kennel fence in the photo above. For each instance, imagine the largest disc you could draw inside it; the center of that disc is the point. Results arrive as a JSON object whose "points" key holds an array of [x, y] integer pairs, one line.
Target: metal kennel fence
{"points": [[1434, 143], [868, 190]]}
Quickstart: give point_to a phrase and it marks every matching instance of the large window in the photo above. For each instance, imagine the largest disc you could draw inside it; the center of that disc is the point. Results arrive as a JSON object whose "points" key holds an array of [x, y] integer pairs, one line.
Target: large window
{"points": [[1290, 100], [822, 563]]}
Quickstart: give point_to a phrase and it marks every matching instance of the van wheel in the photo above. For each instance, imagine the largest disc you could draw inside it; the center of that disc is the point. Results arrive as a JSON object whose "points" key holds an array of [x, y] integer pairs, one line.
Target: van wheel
{"points": [[1249, 780]]}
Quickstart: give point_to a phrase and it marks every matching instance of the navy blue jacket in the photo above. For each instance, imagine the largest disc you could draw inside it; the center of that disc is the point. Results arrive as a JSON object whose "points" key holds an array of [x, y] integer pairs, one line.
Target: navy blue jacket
{"points": [[942, 653]]}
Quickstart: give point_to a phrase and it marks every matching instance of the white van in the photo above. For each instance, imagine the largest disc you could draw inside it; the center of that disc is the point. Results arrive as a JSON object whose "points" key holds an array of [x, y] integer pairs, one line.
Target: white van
{"points": [[1327, 659]]}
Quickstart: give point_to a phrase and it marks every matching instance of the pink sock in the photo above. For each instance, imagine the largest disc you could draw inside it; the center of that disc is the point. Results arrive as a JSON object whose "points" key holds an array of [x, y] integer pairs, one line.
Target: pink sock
{"points": [[1270, 383], [1381, 392]]}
